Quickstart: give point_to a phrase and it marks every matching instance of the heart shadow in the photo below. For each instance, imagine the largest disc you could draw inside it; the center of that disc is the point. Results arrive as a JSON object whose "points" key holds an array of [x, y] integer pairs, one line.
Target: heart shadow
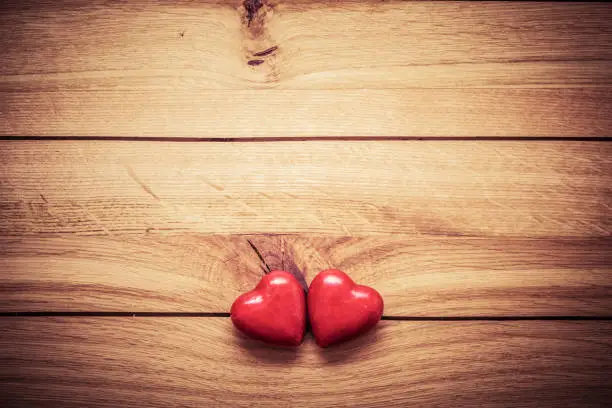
{"points": [[265, 353], [339, 354], [352, 350]]}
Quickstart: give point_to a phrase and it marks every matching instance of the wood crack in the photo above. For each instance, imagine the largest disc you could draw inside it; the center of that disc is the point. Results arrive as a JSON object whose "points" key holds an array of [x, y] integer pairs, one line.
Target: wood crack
{"points": [[261, 258], [266, 52]]}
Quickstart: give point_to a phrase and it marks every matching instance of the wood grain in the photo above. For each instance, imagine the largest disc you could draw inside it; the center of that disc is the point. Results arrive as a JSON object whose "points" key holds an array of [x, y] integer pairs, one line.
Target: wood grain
{"points": [[186, 112], [434, 188], [299, 69], [469, 276], [181, 273], [499, 229], [160, 362], [347, 44], [417, 277]]}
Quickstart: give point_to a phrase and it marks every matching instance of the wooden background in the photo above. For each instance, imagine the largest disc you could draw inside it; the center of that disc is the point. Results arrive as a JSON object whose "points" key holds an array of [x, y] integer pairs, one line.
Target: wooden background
{"points": [[453, 155]]}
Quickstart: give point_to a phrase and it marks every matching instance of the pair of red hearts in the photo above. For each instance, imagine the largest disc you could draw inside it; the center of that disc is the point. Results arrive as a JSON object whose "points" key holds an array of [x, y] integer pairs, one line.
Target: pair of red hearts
{"points": [[338, 308]]}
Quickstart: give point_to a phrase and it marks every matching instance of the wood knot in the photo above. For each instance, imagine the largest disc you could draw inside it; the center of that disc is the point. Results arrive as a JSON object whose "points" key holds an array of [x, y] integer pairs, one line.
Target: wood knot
{"points": [[255, 14], [252, 8], [259, 47]]}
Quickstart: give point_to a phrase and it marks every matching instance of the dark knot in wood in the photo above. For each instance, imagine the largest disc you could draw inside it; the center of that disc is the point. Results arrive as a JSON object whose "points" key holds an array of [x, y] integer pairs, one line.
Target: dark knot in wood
{"points": [[252, 7]]}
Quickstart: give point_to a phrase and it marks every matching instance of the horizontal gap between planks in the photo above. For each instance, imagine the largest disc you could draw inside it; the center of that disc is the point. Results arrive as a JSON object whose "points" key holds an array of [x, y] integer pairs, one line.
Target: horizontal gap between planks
{"points": [[225, 314], [306, 139]]}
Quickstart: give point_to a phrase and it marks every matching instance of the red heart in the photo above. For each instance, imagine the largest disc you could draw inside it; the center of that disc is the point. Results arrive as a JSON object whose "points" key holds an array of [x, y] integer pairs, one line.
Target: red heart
{"points": [[339, 309], [274, 312]]}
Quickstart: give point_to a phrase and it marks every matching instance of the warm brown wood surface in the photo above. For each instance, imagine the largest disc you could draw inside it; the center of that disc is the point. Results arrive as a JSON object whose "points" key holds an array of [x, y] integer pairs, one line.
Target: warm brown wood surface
{"points": [[124, 273], [303, 113], [411, 188], [502, 248], [346, 68], [455, 276], [460, 276], [161, 362]]}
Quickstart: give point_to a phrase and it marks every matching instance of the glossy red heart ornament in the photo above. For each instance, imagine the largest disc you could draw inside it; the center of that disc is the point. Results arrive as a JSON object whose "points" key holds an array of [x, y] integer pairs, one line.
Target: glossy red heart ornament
{"points": [[274, 312], [339, 309]]}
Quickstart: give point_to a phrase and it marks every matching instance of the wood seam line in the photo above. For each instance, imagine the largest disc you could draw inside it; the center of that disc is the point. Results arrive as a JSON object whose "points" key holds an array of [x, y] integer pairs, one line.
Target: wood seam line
{"points": [[386, 318], [309, 139]]}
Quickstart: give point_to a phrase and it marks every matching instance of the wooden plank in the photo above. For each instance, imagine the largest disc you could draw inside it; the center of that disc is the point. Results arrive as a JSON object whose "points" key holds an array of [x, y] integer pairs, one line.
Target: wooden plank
{"points": [[360, 188], [185, 69], [469, 276], [354, 44], [186, 112], [160, 362], [416, 276], [347, 44], [152, 273]]}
